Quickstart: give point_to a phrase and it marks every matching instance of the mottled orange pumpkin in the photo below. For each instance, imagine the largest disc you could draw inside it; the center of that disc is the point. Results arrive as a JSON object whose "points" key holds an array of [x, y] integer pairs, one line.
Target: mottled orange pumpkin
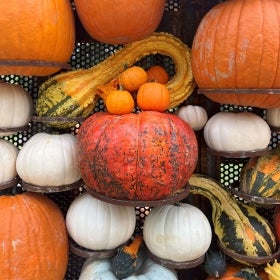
{"points": [[144, 156], [236, 46], [34, 240], [122, 21], [38, 37]]}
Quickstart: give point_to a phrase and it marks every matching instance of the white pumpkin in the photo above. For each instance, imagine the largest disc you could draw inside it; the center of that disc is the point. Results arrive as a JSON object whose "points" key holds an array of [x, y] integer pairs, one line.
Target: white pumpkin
{"points": [[8, 157], [99, 225], [16, 107], [49, 160], [177, 233], [102, 270], [273, 116], [195, 116], [237, 131]]}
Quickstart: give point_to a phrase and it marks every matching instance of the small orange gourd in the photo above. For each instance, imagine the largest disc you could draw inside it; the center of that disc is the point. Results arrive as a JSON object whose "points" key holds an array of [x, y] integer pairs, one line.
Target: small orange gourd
{"points": [[153, 96], [157, 73], [119, 102], [132, 78]]}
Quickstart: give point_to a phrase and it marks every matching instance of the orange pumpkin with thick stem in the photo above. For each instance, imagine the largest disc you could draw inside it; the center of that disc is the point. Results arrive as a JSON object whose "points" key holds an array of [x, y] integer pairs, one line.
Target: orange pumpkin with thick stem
{"points": [[34, 240], [122, 22], [236, 46], [143, 156], [39, 36], [153, 96]]}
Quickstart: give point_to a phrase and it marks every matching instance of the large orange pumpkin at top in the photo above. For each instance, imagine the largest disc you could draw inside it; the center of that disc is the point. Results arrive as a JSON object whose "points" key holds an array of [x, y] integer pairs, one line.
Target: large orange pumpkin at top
{"points": [[34, 240], [236, 46], [37, 37], [144, 156], [120, 21]]}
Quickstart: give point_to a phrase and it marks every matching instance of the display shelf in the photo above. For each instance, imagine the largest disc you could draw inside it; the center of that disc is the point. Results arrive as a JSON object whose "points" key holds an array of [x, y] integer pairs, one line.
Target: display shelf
{"points": [[10, 183]]}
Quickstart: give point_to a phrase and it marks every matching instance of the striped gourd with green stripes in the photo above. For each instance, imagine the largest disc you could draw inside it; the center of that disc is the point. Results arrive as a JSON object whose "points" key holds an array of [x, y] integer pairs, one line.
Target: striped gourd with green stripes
{"points": [[260, 176], [237, 225]]}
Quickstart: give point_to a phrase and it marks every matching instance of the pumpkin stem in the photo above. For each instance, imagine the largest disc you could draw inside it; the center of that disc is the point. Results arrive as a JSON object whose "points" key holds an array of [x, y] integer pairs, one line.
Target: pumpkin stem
{"points": [[134, 246]]}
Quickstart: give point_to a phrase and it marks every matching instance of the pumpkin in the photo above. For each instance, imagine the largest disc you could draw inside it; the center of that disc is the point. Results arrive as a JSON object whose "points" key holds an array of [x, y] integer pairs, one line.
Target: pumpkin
{"points": [[132, 78], [34, 240], [99, 225], [49, 160], [196, 116], [75, 93], [153, 96], [119, 102], [236, 131], [171, 232], [276, 222], [157, 73], [236, 46], [16, 107], [273, 116], [41, 39], [102, 270], [260, 176], [8, 157], [144, 156], [121, 23], [238, 226]]}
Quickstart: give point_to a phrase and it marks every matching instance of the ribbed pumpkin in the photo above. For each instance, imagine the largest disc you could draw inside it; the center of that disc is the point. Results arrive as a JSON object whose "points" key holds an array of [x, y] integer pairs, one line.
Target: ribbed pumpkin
{"points": [[144, 156], [34, 240], [260, 176], [38, 31], [236, 46], [122, 21]]}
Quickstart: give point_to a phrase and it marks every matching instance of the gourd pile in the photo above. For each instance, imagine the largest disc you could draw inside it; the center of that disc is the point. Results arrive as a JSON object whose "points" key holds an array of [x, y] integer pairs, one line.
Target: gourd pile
{"points": [[141, 150]]}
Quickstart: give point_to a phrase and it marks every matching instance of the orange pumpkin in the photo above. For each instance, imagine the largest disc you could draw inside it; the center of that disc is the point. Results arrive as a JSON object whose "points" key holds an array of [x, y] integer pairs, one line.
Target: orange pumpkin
{"points": [[34, 240], [157, 73], [153, 96], [119, 102], [236, 46], [132, 78], [122, 22], [39, 36]]}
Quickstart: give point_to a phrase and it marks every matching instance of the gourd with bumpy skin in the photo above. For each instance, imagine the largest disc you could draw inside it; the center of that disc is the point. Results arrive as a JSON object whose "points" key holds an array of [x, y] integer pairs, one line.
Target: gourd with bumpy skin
{"points": [[49, 160], [237, 225], [102, 270], [260, 176], [34, 240], [144, 156], [98, 225], [75, 93]]}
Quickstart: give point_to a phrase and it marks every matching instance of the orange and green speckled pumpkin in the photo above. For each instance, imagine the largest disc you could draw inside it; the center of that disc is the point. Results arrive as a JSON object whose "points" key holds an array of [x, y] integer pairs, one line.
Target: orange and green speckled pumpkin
{"points": [[144, 156], [236, 46], [34, 240]]}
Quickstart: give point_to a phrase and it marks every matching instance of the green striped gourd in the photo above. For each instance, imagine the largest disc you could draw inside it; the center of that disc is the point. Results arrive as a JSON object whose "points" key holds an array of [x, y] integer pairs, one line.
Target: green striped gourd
{"points": [[237, 225], [75, 93], [260, 176]]}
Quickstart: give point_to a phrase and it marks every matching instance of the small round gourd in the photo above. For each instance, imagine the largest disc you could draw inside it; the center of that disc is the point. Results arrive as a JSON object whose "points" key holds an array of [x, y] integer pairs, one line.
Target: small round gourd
{"points": [[273, 116], [178, 233], [49, 160], [8, 157], [16, 107], [195, 116], [102, 269], [98, 225], [236, 131], [157, 73]]}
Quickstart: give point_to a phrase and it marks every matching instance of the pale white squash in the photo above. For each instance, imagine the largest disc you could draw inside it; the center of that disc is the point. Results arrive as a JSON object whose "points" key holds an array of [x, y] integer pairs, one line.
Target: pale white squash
{"points": [[237, 131], [101, 270], [49, 160], [8, 157], [16, 107], [273, 116], [99, 225], [196, 116], [177, 233]]}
